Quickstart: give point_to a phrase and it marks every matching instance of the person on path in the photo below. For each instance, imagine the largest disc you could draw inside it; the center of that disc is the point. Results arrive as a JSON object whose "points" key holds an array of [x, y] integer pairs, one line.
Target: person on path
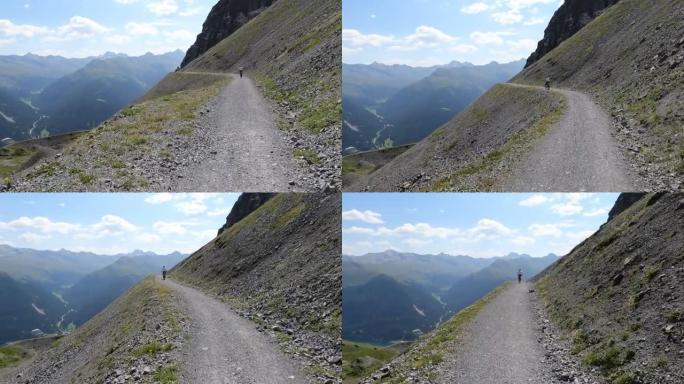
{"points": [[519, 276], [547, 83], [163, 272], [242, 69]]}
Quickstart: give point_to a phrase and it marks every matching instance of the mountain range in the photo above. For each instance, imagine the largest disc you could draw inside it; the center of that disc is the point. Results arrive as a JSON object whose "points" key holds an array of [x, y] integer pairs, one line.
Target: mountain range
{"points": [[393, 296], [51, 95], [49, 290], [395, 105]]}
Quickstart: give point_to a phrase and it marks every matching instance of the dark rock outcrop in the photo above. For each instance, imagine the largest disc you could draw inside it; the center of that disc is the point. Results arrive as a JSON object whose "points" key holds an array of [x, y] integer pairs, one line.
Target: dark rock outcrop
{"points": [[572, 16], [226, 17], [624, 201], [246, 204]]}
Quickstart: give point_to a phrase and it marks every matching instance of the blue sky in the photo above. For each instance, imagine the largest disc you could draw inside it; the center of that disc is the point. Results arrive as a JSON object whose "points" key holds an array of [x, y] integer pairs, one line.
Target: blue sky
{"points": [[112, 223], [478, 225], [431, 32], [80, 28]]}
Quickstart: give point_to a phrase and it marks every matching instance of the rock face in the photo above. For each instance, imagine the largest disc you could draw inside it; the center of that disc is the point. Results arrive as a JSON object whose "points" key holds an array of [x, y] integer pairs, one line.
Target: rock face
{"points": [[246, 204], [572, 16], [226, 17], [624, 201]]}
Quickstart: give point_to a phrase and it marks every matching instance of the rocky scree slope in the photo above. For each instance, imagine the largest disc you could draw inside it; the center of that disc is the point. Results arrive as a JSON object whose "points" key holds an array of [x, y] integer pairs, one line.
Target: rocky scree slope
{"points": [[136, 338], [618, 296], [475, 151], [226, 17], [280, 267], [631, 59], [294, 50], [572, 16]]}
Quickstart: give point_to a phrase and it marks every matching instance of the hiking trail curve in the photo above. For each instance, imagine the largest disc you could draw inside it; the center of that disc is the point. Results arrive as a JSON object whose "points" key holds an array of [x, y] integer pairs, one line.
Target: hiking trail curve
{"points": [[578, 154], [226, 349]]}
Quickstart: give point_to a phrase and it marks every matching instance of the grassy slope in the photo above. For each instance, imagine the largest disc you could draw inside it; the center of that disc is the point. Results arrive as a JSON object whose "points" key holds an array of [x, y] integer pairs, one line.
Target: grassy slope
{"points": [[365, 163], [624, 57], [474, 150], [163, 115], [117, 337], [429, 351], [362, 359], [294, 50], [615, 293]]}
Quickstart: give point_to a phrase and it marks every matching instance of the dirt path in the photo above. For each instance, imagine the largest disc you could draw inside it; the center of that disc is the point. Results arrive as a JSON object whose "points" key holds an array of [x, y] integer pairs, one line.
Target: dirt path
{"points": [[249, 152], [227, 349], [579, 154], [501, 344]]}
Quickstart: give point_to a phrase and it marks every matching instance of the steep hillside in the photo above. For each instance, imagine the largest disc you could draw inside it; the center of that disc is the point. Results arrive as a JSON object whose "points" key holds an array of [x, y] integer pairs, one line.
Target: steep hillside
{"points": [[226, 17], [280, 267], [477, 149], [384, 310], [363, 163], [572, 16], [631, 58], [292, 49], [26, 306], [360, 127], [84, 99], [619, 295], [136, 338]]}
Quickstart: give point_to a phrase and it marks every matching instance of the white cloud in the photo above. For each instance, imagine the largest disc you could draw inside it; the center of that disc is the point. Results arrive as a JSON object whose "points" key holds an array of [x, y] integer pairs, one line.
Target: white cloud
{"points": [[148, 238], [140, 29], [163, 7], [118, 39], [534, 21], [359, 230], [534, 200], [596, 212], [475, 8], [170, 228], [463, 48], [369, 217], [571, 206], [34, 238], [193, 207], [510, 16], [112, 225], [219, 212], [80, 27], [41, 224], [552, 229], [487, 227], [354, 37], [489, 37], [8, 28], [523, 241], [190, 12], [125, 2], [426, 36]]}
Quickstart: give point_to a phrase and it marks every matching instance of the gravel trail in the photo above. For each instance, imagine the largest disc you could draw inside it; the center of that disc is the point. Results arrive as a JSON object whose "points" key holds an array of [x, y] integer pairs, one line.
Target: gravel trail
{"points": [[578, 154], [500, 345], [250, 153], [227, 349]]}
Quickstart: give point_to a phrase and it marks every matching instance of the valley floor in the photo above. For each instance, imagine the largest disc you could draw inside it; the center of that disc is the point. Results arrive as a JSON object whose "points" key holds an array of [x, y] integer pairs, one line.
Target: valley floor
{"points": [[227, 349]]}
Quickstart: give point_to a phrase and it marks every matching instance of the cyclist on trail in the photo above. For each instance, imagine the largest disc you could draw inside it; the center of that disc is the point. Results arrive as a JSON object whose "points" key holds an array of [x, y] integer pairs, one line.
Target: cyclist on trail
{"points": [[519, 276], [242, 69], [547, 83], [164, 272]]}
